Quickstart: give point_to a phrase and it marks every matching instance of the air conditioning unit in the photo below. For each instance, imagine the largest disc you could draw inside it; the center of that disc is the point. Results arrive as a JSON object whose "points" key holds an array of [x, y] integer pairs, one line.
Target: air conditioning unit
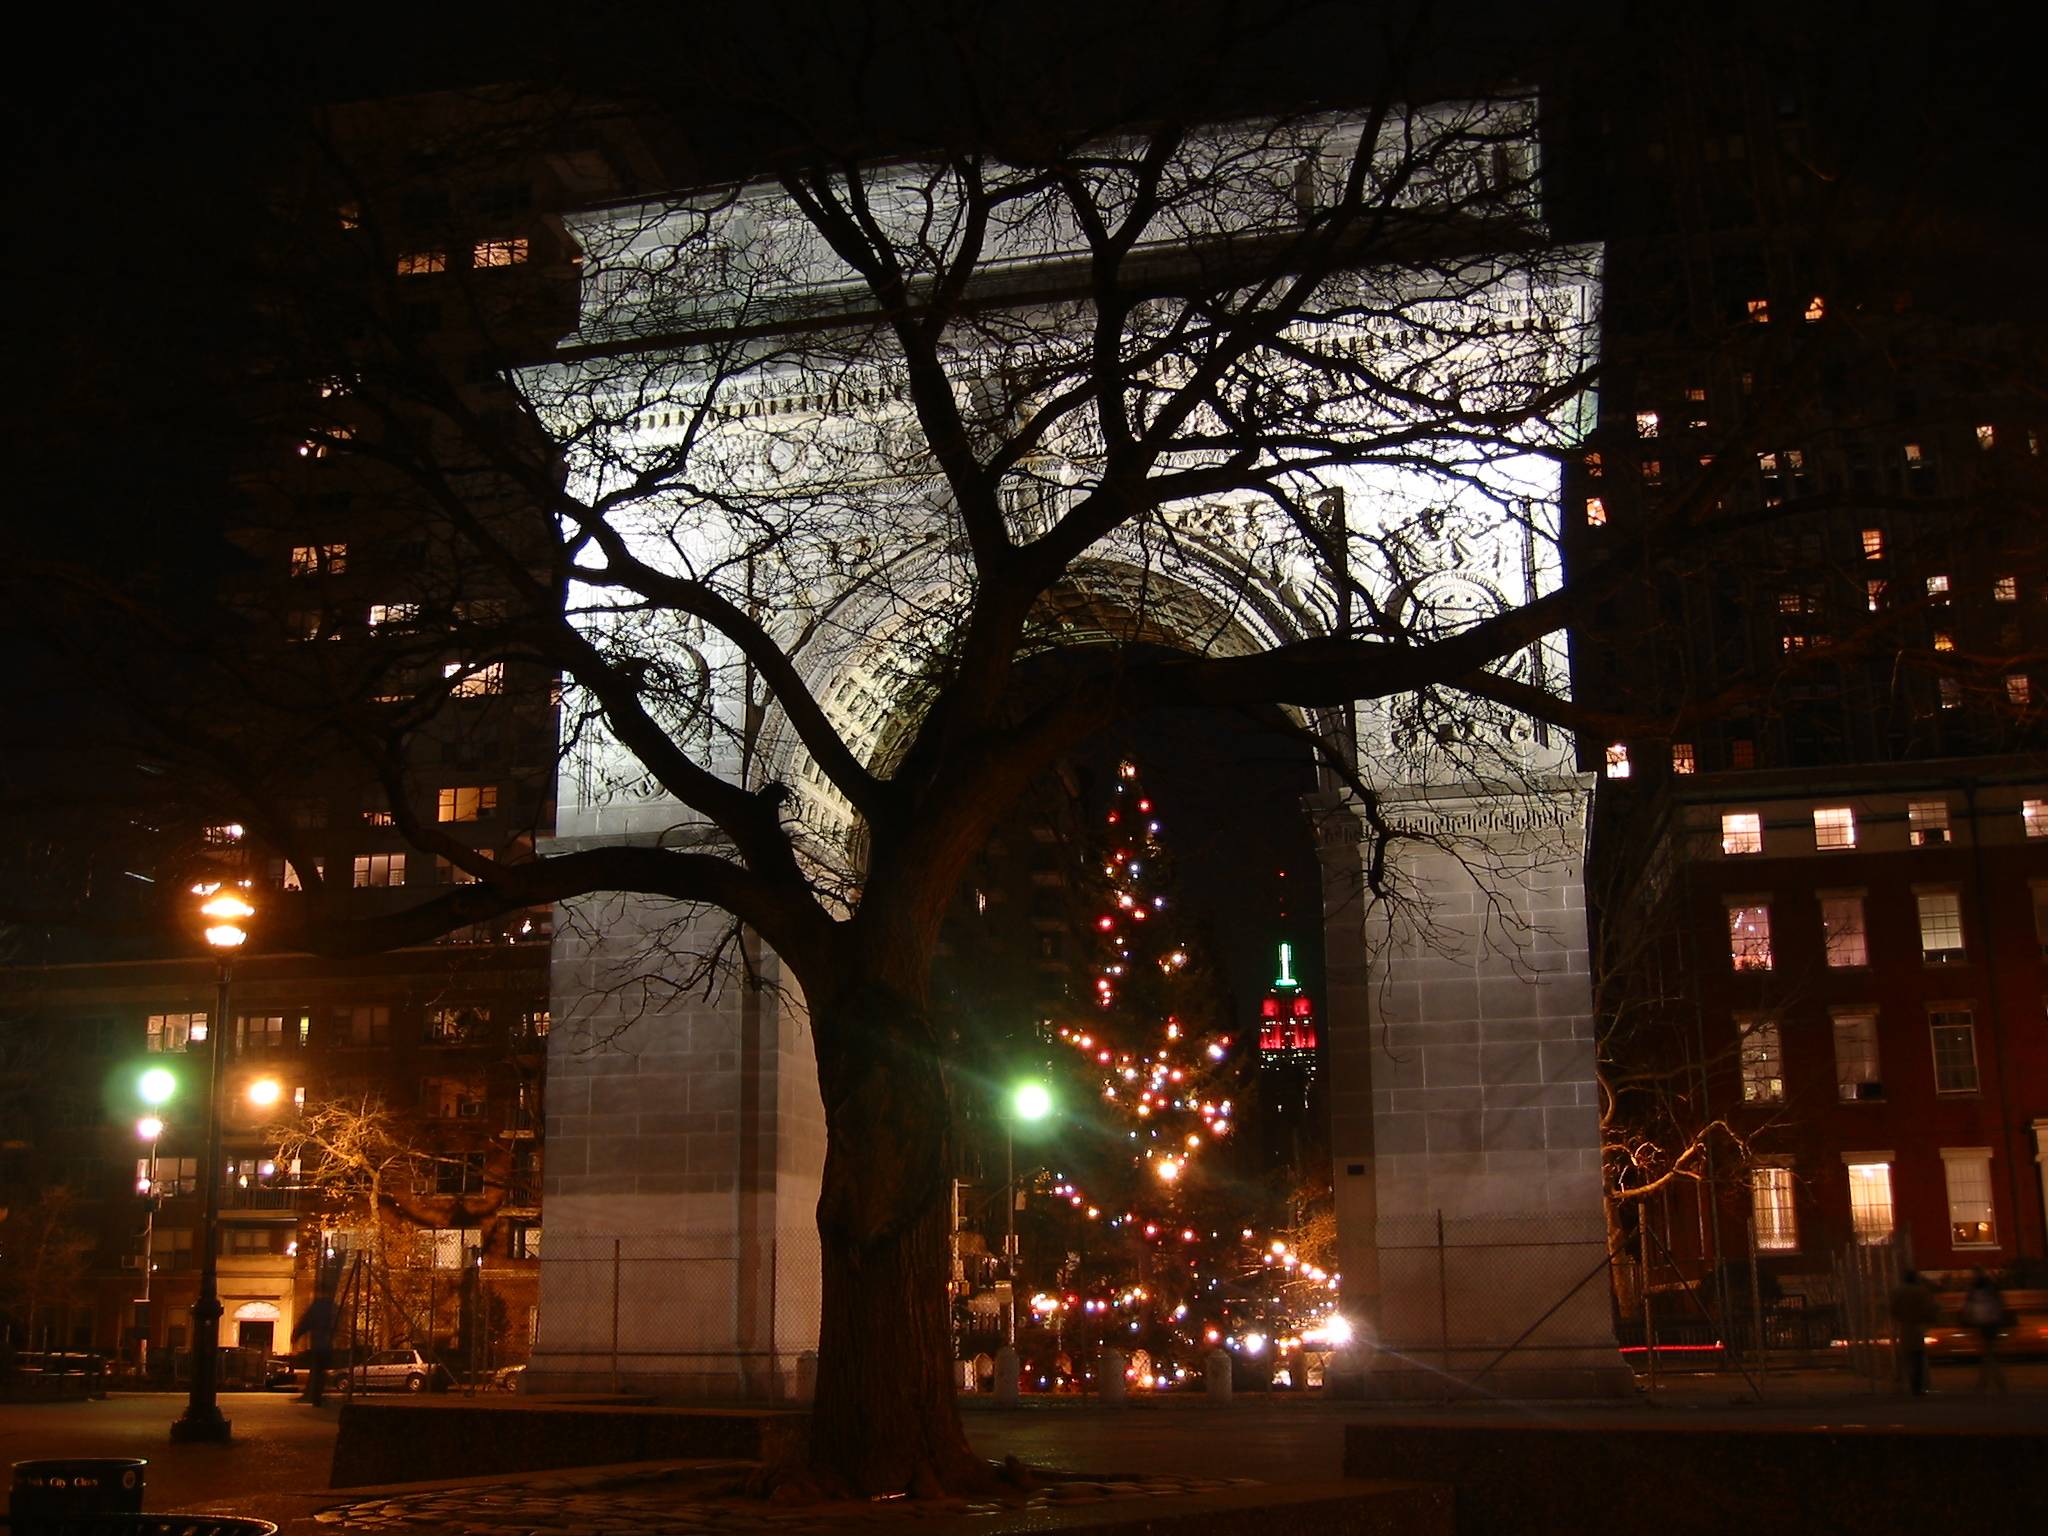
{"points": [[471, 1108]]}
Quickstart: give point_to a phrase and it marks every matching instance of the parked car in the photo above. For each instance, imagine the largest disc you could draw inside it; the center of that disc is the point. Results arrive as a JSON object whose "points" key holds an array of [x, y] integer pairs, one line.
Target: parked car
{"points": [[2026, 1329], [395, 1370], [283, 1374]]}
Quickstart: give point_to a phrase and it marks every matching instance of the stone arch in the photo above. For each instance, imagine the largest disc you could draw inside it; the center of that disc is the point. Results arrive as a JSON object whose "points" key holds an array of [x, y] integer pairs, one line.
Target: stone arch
{"points": [[1234, 611]]}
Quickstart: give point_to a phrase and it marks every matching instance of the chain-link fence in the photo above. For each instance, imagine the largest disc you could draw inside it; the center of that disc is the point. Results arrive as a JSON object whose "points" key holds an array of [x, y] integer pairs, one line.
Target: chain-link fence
{"points": [[703, 1316], [1493, 1303], [471, 1319]]}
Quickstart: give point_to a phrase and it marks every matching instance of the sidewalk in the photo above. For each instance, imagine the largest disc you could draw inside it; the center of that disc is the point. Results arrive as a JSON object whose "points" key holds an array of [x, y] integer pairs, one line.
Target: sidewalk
{"points": [[1153, 1454]]}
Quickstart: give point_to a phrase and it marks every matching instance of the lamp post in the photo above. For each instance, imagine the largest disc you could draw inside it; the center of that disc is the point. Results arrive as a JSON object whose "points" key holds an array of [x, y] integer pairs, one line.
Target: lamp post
{"points": [[156, 1088], [202, 1419], [1028, 1101]]}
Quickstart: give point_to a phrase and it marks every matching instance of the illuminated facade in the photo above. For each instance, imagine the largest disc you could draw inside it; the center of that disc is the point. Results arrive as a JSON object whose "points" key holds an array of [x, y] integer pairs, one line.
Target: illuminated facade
{"points": [[1482, 1112], [1291, 1111], [1819, 906]]}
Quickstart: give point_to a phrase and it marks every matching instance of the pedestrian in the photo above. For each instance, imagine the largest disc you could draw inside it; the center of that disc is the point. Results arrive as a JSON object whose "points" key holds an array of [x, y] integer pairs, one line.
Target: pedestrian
{"points": [[1913, 1307], [316, 1326], [1984, 1310]]}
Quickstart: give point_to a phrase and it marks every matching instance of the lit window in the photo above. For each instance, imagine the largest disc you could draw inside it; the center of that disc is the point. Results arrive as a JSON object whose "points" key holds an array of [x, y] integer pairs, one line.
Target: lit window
{"points": [[1816, 309], [1870, 1200], [1770, 1197], [2034, 817], [1834, 827], [1742, 753], [1937, 588], [422, 263], [379, 869], [175, 1031], [1742, 832], [2018, 691], [1914, 457], [1927, 823], [1873, 543], [1953, 1035], [474, 682], [1759, 311], [1682, 758], [1873, 593], [1596, 512], [1617, 761], [1646, 423], [224, 834], [311, 559], [1987, 436], [1856, 1065], [350, 216], [1594, 467], [2005, 589], [467, 802], [1967, 1171], [1950, 692], [1749, 937], [500, 253], [378, 815], [1841, 923], [1941, 927], [1763, 1063], [288, 877], [448, 872], [1653, 472], [1944, 640], [1695, 393], [383, 615]]}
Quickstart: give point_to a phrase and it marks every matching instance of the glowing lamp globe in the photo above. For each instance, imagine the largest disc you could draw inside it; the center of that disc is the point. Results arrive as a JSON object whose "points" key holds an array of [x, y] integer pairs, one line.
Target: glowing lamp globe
{"points": [[264, 1092], [156, 1085], [149, 1127], [1031, 1101]]}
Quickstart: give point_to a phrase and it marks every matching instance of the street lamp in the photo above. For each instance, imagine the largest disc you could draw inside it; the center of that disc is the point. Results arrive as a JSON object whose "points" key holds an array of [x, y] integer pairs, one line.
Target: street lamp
{"points": [[151, 1129], [225, 913], [1028, 1102]]}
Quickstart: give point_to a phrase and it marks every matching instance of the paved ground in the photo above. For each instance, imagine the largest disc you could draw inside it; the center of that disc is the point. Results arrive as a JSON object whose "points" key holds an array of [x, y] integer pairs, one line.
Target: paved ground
{"points": [[280, 1447], [277, 1466]]}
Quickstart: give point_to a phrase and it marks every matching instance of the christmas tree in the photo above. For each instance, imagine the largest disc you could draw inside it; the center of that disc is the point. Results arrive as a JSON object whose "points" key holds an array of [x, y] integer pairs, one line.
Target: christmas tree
{"points": [[1166, 1259]]}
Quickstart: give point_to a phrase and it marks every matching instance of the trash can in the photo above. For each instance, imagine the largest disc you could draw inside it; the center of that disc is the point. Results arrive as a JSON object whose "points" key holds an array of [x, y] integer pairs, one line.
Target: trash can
{"points": [[69, 1488], [148, 1525]]}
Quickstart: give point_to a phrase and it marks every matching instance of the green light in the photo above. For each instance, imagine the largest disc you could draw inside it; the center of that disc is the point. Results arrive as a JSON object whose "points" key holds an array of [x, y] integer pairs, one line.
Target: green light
{"points": [[1031, 1101], [1286, 977], [156, 1085]]}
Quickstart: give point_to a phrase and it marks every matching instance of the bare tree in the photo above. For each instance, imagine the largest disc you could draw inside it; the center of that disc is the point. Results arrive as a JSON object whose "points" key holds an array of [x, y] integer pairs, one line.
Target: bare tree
{"points": [[862, 494], [44, 1256]]}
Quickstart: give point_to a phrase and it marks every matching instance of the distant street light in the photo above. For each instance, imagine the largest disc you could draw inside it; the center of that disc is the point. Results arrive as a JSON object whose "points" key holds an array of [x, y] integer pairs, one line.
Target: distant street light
{"points": [[156, 1086], [151, 1129], [1028, 1102], [265, 1091], [225, 913]]}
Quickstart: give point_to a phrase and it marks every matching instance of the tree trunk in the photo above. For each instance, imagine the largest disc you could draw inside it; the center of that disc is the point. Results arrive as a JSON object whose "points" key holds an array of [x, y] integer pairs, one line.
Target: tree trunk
{"points": [[886, 1419]]}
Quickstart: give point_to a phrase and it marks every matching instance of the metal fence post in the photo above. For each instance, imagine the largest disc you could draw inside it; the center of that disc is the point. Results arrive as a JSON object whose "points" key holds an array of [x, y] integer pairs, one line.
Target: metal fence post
{"points": [[615, 1314], [1443, 1304], [1756, 1308], [1643, 1281]]}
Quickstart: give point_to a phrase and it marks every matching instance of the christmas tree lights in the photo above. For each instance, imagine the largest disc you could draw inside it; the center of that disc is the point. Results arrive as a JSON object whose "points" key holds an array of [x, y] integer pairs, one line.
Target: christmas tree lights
{"points": [[1168, 1268]]}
